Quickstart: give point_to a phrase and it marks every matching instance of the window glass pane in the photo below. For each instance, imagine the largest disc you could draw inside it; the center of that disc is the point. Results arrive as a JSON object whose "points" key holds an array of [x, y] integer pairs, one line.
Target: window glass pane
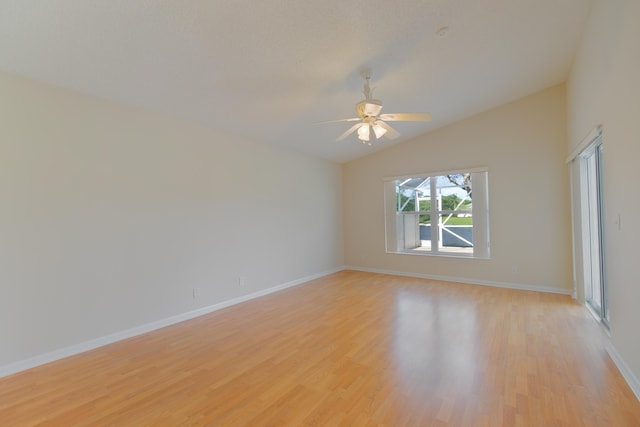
{"points": [[456, 236]]}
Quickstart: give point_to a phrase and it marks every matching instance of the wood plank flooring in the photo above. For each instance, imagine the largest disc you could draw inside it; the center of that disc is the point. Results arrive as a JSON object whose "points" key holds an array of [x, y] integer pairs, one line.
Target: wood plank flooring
{"points": [[349, 349]]}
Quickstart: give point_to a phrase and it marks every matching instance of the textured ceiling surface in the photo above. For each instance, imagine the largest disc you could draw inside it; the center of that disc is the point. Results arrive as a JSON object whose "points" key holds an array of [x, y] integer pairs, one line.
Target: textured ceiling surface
{"points": [[270, 70]]}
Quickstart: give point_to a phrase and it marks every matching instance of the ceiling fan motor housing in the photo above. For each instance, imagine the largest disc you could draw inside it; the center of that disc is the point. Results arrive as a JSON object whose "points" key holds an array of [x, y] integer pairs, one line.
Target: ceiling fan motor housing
{"points": [[368, 108]]}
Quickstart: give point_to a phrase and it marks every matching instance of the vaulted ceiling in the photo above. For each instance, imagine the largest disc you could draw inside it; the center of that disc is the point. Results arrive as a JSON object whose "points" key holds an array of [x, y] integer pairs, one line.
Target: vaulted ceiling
{"points": [[270, 70]]}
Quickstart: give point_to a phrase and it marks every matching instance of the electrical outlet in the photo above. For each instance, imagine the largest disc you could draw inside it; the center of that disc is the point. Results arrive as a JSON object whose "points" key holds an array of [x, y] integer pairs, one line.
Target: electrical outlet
{"points": [[242, 281], [196, 292]]}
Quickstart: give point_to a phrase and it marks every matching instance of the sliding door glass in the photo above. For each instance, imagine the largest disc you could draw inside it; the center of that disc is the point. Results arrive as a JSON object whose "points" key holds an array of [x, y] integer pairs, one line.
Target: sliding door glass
{"points": [[593, 254]]}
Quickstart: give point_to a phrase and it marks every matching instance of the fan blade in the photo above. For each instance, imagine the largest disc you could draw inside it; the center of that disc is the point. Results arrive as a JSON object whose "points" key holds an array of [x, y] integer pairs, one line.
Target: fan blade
{"points": [[406, 117], [350, 131], [391, 132], [340, 120]]}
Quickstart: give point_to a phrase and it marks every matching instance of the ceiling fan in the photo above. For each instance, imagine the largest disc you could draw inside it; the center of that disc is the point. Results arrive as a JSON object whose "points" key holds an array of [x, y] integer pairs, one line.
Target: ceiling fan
{"points": [[370, 118]]}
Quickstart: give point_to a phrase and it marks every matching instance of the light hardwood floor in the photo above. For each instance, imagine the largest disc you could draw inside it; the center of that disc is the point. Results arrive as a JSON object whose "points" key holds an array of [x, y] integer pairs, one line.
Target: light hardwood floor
{"points": [[348, 349]]}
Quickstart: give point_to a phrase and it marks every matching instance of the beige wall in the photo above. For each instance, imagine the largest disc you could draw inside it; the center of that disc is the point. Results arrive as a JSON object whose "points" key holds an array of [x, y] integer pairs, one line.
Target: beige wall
{"points": [[604, 89], [523, 144], [110, 216]]}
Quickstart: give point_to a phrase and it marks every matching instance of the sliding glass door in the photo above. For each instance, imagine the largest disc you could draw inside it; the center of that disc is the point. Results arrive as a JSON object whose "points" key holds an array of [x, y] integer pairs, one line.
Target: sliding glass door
{"points": [[592, 204]]}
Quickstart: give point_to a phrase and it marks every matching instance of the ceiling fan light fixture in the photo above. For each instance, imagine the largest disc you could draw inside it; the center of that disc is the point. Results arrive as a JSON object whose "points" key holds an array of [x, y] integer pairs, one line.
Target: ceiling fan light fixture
{"points": [[363, 132], [369, 117], [378, 130]]}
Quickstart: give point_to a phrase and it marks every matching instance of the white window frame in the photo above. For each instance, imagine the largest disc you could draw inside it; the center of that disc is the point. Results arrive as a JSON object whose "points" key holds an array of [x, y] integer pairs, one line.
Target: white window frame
{"points": [[480, 188]]}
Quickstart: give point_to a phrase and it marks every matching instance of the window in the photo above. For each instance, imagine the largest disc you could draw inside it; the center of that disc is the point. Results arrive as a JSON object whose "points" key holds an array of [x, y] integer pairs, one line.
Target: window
{"points": [[444, 213]]}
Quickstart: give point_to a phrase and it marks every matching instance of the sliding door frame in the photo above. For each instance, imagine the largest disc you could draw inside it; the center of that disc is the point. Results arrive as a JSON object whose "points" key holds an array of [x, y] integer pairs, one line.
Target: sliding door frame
{"points": [[587, 211]]}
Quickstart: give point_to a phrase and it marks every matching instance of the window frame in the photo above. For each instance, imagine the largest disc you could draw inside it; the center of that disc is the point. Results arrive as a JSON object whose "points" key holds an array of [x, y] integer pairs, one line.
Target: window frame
{"points": [[480, 214]]}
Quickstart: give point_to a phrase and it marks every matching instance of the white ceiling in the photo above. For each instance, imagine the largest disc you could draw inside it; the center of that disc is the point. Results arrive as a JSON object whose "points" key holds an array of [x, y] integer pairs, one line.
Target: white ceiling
{"points": [[270, 69]]}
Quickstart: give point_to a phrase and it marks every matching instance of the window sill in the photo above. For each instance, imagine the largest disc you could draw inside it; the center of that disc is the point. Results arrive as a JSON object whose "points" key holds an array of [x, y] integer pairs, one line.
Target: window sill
{"points": [[420, 252]]}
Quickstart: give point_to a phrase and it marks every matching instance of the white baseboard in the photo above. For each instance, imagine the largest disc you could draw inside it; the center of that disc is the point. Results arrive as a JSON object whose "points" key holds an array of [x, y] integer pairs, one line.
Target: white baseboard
{"points": [[624, 369], [41, 359], [519, 286], [32, 362]]}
